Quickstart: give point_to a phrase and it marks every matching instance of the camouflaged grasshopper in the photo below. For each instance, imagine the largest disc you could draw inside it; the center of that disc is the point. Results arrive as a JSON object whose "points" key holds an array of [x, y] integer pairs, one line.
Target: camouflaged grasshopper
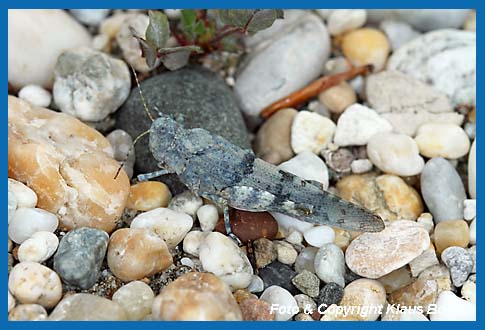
{"points": [[212, 167]]}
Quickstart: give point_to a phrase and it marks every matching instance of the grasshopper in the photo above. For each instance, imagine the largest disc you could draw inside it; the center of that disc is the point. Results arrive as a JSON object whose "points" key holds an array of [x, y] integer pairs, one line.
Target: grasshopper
{"points": [[229, 176]]}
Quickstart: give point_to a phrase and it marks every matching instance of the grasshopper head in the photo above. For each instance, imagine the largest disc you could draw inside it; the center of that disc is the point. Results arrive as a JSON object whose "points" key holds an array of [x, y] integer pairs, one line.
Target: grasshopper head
{"points": [[162, 135]]}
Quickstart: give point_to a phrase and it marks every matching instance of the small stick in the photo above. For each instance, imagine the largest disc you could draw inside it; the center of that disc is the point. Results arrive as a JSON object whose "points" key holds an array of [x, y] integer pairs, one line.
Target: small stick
{"points": [[316, 87]]}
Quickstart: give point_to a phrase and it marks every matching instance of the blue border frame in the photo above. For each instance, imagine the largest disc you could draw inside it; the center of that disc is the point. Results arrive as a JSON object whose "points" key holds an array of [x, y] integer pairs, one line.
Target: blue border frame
{"points": [[401, 4]]}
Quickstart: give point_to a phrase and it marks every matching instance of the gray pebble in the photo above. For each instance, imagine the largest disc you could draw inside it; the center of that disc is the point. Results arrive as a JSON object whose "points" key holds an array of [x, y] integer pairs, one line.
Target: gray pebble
{"points": [[332, 293], [307, 282], [398, 32], [472, 251], [80, 255], [305, 260], [459, 262], [278, 274], [442, 190]]}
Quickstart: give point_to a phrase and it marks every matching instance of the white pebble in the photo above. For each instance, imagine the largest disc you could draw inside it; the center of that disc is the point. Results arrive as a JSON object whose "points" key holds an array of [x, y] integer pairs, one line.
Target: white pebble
{"points": [[426, 220], [358, 124], [186, 202], [169, 225], [92, 17], [308, 166], [395, 153], [38, 248], [208, 217], [330, 264], [12, 205], [123, 149], [25, 196], [286, 252], [473, 232], [287, 224], [311, 132], [470, 209], [451, 308], [35, 95], [281, 298], [359, 166], [256, 284], [33, 283], [28, 221], [221, 256], [11, 301], [469, 291], [343, 20], [192, 242], [442, 140], [173, 13], [136, 298], [398, 33], [187, 262], [319, 236], [294, 237]]}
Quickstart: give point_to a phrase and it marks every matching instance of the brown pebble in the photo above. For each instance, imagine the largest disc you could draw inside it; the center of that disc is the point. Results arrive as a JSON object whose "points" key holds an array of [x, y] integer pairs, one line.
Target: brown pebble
{"points": [[338, 98], [149, 195], [253, 309], [451, 233], [420, 293], [249, 226], [264, 252]]}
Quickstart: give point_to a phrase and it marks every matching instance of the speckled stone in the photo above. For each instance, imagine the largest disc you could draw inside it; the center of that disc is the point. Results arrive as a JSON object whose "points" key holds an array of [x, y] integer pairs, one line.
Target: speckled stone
{"points": [[459, 262], [196, 94], [278, 274], [307, 282], [80, 255], [331, 293]]}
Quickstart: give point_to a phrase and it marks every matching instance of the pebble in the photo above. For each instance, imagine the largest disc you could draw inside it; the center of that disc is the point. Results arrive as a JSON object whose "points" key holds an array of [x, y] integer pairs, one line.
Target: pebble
{"points": [[442, 140], [192, 241], [420, 293], [89, 84], [33, 283], [169, 225], [439, 273], [197, 297], [256, 284], [305, 303], [331, 293], [12, 206], [264, 252], [451, 233], [342, 238], [307, 282], [306, 259], [273, 140], [294, 237], [253, 309], [338, 98], [280, 275], [11, 302], [92, 17], [123, 149], [32, 30], [80, 255], [451, 308], [136, 298], [186, 202], [425, 260], [366, 46], [343, 20], [397, 279], [311, 132], [87, 307], [208, 217], [308, 166], [135, 253], [28, 221], [398, 33], [36, 95], [473, 232], [358, 124], [360, 166], [250, 226], [148, 195], [388, 196], [318, 236], [442, 190], [28, 312], [373, 255], [286, 252], [445, 59], [362, 292], [330, 264], [24, 196], [472, 165], [469, 209], [276, 295], [221, 256], [70, 166], [459, 262], [199, 96], [267, 76], [426, 220], [471, 21], [129, 45], [38, 248], [469, 291], [395, 153]]}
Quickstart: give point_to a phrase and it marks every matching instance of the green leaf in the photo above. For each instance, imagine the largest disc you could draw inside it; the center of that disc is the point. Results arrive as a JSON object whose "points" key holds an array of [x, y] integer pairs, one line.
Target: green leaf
{"points": [[188, 19], [158, 30], [263, 19], [190, 48], [235, 17], [176, 60], [147, 51]]}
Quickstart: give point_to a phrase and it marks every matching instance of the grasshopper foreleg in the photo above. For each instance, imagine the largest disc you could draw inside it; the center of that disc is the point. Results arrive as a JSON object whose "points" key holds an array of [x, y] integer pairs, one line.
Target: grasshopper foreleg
{"points": [[152, 175]]}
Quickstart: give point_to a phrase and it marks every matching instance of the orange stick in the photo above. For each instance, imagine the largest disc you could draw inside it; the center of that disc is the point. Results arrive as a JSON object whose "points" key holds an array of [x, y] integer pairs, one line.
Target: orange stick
{"points": [[316, 87]]}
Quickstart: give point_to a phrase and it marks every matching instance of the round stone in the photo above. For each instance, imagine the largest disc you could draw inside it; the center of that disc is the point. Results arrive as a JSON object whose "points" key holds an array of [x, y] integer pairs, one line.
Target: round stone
{"points": [[318, 236], [395, 154], [33, 283], [38, 248], [343, 20], [196, 297], [330, 264], [91, 17], [308, 166], [28, 312], [451, 233], [208, 217], [338, 98], [25, 196], [87, 307], [373, 255], [12, 206], [28, 221], [80, 255], [256, 284], [280, 297], [366, 46], [136, 298], [451, 308], [311, 132], [149, 195], [192, 242], [306, 259], [36, 95], [186, 202], [135, 253], [123, 149], [442, 140], [286, 252]]}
